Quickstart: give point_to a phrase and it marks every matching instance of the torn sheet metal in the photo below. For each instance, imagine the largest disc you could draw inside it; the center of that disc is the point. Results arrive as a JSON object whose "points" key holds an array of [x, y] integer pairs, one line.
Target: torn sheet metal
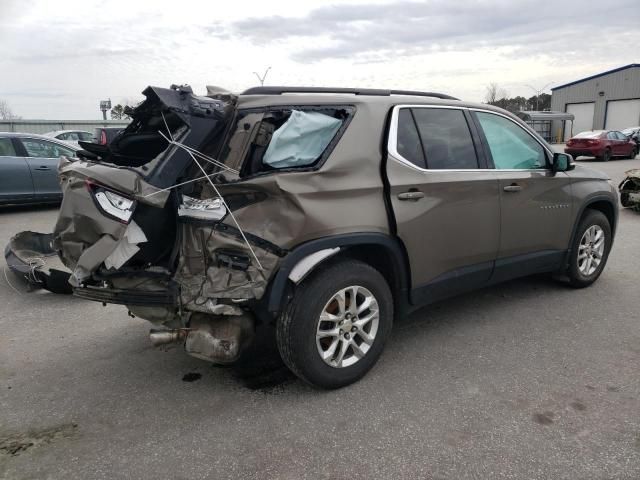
{"points": [[630, 190], [122, 179], [211, 266], [127, 247], [83, 236]]}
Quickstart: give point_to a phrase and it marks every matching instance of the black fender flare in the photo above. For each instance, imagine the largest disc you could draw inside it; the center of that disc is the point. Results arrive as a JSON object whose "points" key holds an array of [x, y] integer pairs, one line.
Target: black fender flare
{"points": [[276, 294]]}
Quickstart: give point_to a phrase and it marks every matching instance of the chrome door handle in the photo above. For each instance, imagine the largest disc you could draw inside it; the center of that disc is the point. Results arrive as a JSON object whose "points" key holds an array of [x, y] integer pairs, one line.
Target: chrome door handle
{"points": [[43, 168], [413, 195], [512, 188]]}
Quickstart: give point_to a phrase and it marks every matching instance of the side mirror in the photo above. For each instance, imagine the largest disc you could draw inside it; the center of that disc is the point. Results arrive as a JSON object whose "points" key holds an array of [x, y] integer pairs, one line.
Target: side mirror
{"points": [[562, 162]]}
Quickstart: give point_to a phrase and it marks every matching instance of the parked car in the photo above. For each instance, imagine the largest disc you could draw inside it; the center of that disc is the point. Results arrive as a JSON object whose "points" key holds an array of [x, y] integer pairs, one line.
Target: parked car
{"points": [[325, 215], [602, 144], [104, 135], [633, 133], [71, 136], [28, 167]]}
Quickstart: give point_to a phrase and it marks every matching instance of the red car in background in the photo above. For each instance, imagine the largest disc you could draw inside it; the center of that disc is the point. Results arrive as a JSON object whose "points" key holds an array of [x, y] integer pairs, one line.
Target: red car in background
{"points": [[602, 144]]}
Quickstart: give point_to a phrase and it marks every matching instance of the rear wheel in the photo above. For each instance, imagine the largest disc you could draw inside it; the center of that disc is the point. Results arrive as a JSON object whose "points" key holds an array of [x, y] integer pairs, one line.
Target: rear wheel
{"points": [[335, 328], [590, 249]]}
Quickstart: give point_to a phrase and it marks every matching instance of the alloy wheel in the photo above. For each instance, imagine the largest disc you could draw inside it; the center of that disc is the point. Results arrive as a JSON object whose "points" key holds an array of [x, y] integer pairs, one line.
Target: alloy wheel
{"points": [[347, 326], [591, 250]]}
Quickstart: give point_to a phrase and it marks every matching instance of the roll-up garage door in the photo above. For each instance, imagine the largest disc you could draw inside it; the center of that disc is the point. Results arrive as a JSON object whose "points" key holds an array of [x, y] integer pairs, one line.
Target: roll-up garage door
{"points": [[583, 121], [622, 114]]}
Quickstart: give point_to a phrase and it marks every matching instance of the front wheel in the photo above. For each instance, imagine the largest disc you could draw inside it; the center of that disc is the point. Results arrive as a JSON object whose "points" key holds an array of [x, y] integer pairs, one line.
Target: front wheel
{"points": [[590, 249], [606, 156], [633, 154], [334, 330]]}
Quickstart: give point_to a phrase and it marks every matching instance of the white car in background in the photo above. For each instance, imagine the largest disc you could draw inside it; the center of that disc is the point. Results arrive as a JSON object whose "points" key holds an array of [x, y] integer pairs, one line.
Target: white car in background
{"points": [[71, 136]]}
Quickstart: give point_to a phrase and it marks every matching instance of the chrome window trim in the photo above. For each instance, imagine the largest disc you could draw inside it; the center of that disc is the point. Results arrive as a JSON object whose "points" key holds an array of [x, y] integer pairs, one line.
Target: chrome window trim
{"points": [[392, 142]]}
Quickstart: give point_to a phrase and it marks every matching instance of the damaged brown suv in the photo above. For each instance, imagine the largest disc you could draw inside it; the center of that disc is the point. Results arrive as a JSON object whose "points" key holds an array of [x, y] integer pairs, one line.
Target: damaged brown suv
{"points": [[322, 214]]}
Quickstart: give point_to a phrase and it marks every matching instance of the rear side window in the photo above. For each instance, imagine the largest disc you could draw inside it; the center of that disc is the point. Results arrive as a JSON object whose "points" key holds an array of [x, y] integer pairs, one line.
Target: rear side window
{"points": [[285, 138], [6, 148], [435, 139], [511, 146], [446, 139]]}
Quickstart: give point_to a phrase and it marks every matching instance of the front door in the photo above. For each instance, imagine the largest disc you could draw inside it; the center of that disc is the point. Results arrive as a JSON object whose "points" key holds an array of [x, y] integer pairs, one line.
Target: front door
{"points": [[16, 183], [444, 199], [536, 207]]}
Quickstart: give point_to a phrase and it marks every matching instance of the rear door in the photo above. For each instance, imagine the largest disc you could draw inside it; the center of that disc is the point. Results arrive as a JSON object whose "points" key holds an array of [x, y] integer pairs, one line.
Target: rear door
{"points": [[16, 184], [615, 143], [536, 205], [444, 199], [43, 157], [626, 145]]}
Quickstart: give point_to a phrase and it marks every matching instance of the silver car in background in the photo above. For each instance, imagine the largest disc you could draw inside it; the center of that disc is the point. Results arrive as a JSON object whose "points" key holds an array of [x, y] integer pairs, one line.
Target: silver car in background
{"points": [[28, 167], [71, 136]]}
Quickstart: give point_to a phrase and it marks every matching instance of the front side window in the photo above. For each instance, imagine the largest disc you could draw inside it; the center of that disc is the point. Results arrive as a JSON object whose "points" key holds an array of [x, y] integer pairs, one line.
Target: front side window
{"points": [[612, 136], [511, 146], [43, 149], [6, 148]]}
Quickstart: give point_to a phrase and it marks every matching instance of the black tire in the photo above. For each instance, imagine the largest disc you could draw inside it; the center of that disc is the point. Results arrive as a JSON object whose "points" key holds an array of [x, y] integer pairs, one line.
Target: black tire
{"points": [[297, 326], [577, 278], [606, 156], [633, 154]]}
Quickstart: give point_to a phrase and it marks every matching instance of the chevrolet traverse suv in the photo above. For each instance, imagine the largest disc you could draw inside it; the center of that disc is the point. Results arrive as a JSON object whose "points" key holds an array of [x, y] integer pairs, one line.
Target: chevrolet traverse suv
{"points": [[321, 214]]}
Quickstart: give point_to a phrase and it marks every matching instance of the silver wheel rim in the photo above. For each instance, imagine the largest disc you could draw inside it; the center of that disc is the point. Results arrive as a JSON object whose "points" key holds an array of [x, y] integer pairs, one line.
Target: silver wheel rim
{"points": [[347, 326], [591, 250]]}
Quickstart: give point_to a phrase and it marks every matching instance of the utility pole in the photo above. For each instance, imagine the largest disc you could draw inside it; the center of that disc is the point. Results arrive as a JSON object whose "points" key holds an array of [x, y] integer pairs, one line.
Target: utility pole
{"points": [[538, 92], [263, 77]]}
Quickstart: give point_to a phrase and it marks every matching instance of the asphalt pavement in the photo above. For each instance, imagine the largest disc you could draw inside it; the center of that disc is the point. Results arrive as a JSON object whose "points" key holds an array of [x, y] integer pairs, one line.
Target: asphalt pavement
{"points": [[528, 380]]}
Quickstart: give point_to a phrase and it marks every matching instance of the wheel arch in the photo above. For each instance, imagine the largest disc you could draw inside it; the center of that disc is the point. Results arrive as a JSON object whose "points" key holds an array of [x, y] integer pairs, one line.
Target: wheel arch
{"points": [[383, 252], [601, 203]]}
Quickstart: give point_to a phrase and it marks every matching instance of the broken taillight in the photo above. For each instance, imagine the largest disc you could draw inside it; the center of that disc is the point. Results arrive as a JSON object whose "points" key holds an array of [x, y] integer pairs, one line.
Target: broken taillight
{"points": [[112, 203]]}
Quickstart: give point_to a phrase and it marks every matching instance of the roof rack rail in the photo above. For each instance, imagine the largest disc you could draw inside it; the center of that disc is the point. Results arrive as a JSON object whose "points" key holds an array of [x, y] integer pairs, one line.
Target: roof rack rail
{"points": [[354, 91]]}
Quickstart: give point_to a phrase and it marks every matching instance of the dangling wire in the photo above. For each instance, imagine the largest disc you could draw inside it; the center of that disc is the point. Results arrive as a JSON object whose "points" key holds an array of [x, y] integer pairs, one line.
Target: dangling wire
{"points": [[178, 144], [177, 185]]}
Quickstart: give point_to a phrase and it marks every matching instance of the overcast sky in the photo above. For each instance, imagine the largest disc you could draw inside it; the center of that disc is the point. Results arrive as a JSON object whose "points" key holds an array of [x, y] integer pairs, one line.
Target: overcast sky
{"points": [[58, 59]]}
